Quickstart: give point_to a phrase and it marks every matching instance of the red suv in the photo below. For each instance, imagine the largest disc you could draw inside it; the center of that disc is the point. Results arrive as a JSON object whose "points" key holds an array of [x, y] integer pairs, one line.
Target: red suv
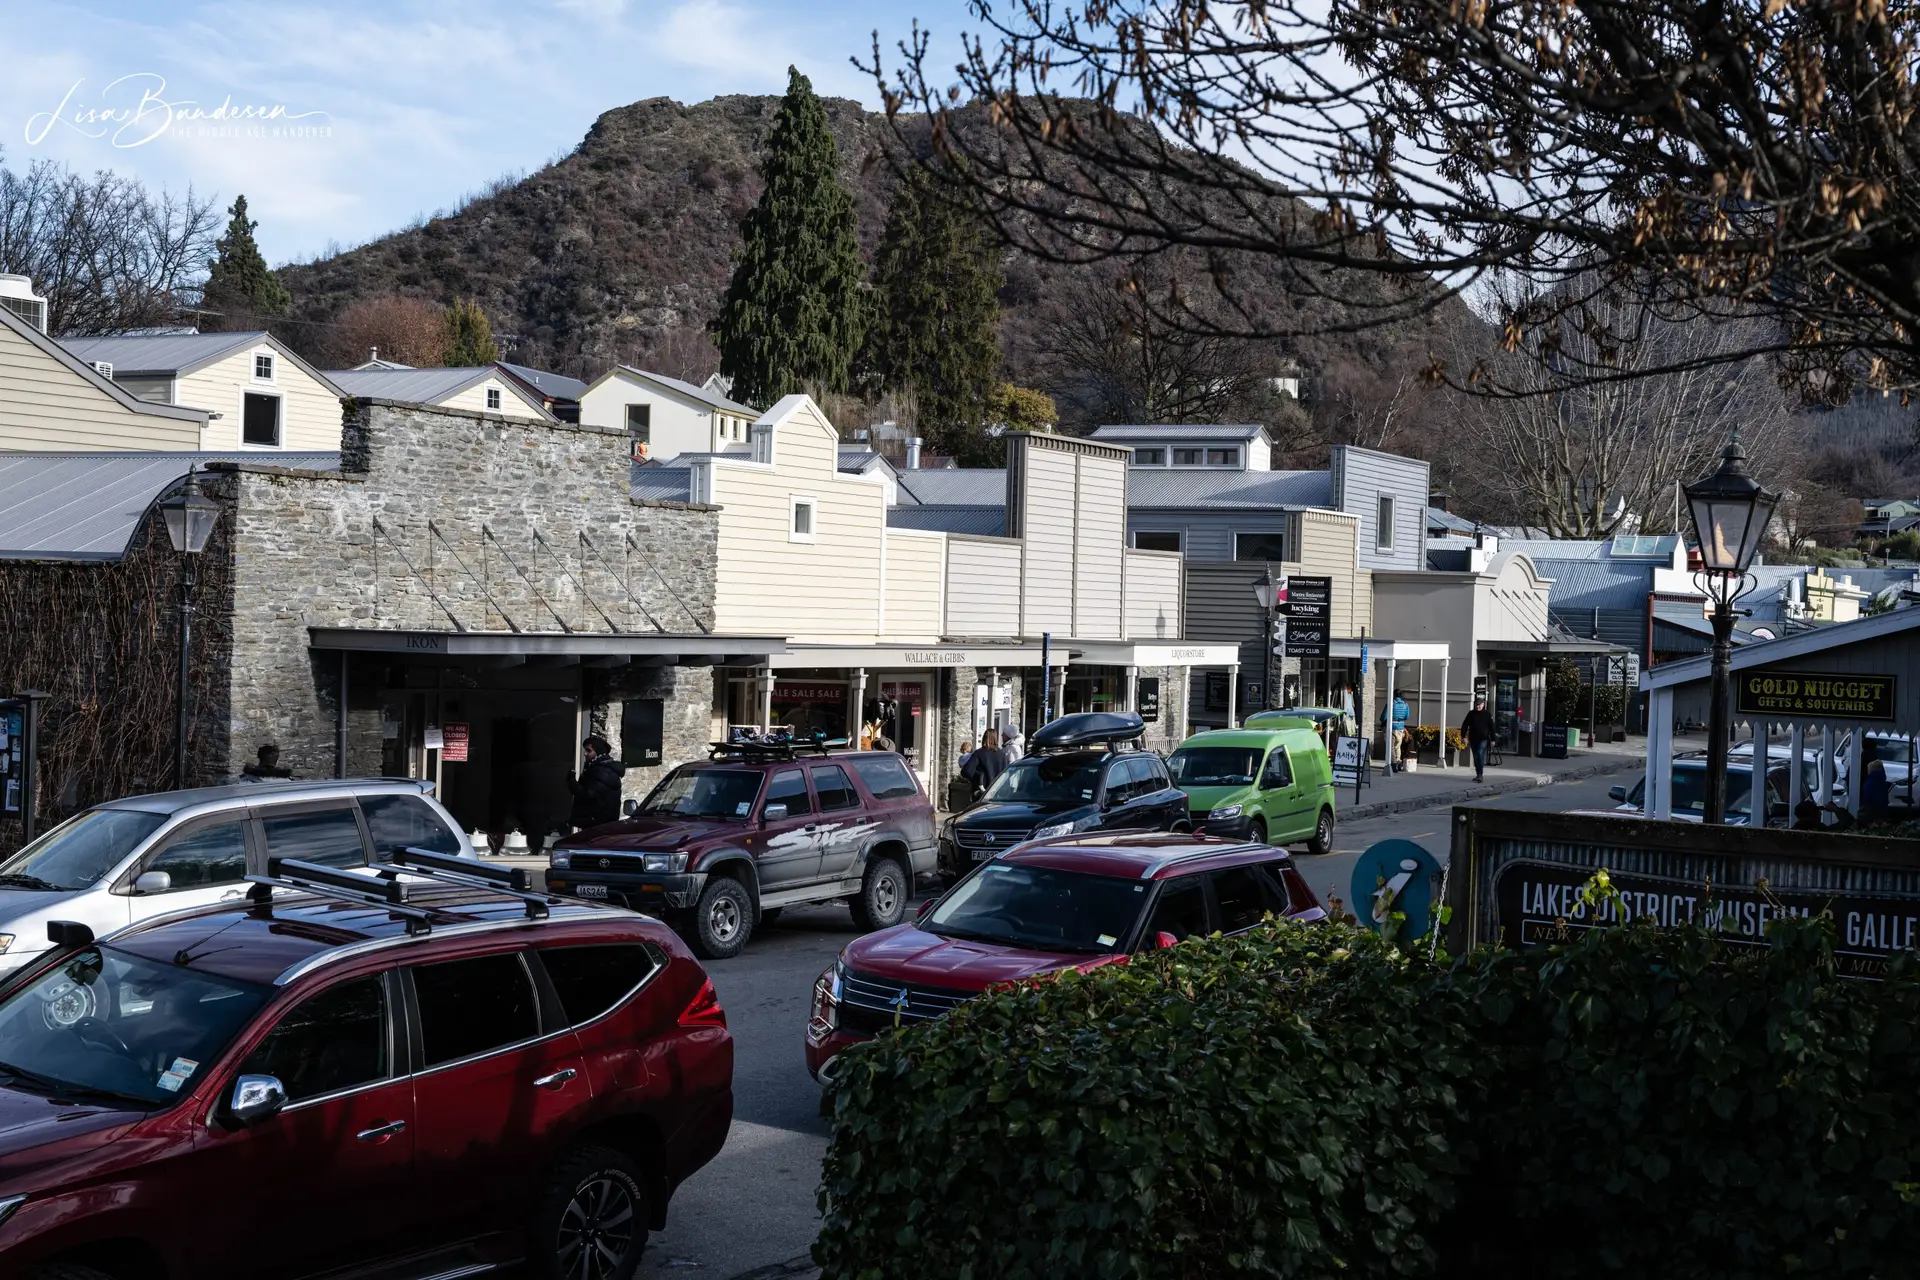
{"points": [[1045, 906], [429, 1073], [723, 845]]}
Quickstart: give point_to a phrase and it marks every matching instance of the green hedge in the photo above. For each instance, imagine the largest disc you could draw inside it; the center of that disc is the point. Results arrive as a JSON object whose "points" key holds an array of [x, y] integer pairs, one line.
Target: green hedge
{"points": [[1306, 1102]]}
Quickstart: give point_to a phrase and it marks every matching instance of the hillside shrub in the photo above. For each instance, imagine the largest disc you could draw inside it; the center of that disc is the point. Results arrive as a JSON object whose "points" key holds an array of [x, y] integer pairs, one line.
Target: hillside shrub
{"points": [[1308, 1103], [1282, 1103]]}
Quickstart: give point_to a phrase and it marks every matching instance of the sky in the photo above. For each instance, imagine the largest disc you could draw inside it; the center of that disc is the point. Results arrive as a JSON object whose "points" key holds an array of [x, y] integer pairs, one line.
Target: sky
{"points": [[344, 120]]}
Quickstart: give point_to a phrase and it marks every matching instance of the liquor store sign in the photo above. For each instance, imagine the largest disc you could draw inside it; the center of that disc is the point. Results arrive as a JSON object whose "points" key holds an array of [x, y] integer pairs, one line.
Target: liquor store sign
{"points": [[1767, 692], [1540, 905]]}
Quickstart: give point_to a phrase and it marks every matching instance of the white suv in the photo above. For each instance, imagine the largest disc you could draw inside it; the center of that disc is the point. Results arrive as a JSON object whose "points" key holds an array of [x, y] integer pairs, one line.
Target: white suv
{"points": [[119, 863]]}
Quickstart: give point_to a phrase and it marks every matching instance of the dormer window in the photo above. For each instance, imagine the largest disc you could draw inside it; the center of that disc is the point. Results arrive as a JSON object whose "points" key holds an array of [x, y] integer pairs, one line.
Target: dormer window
{"points": [[263, 368], [1223, 457], [1189, 457], [1149, 457]]}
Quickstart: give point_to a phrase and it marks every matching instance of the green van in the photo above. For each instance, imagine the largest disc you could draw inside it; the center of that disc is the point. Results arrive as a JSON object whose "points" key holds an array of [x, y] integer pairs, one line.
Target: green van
{"points": [[1273, 784]]}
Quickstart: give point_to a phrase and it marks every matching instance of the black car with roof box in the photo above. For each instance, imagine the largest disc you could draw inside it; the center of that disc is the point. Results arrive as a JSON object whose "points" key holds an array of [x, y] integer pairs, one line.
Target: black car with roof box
{"points": [[1085, 775]]}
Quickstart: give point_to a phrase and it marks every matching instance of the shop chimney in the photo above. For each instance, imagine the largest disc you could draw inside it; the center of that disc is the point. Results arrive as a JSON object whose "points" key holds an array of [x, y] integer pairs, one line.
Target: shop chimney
{"points": [[913, 453]]}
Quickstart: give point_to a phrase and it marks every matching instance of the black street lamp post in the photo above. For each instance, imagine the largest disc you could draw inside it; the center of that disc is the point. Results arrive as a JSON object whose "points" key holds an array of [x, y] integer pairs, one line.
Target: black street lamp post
{"points": [[1270, 594], [1730, 513], [190, 517]]}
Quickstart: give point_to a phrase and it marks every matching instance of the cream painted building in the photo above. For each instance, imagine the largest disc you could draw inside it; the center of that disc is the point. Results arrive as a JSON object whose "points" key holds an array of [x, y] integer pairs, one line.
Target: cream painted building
{"points": [[664, 417], [930, 635], [483, 389], [256, 392], [52, 402]]}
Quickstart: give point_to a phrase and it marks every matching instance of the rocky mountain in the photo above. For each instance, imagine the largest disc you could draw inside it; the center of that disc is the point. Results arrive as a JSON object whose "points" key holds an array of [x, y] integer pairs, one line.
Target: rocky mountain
{"points": [[619, 252]]}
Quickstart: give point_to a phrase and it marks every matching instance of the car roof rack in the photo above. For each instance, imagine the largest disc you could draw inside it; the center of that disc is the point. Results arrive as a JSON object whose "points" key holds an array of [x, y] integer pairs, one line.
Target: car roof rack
{"points": [[448, 868], [332, 882], [779, 743], [1088, 729]]}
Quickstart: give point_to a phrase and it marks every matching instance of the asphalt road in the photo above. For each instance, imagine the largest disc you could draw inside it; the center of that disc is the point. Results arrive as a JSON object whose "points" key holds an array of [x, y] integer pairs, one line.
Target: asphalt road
{"points": [[754, 1206]]}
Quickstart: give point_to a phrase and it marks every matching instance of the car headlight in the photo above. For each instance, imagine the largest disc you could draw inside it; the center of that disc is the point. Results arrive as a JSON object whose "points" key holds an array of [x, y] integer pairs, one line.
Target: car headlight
{"points": [[946, 830], [560, 858], [1223, 812], [6, 940], [1066, 828], [674, 862], [826, 1003]]}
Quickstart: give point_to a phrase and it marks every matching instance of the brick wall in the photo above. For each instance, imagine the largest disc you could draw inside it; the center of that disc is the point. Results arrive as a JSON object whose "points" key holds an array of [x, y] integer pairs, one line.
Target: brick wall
{"points": [[442, 520]]}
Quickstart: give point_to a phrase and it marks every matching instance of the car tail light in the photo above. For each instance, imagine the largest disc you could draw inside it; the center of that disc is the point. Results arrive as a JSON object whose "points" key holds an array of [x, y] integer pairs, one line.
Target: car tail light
{"points": [[704, 1010]]}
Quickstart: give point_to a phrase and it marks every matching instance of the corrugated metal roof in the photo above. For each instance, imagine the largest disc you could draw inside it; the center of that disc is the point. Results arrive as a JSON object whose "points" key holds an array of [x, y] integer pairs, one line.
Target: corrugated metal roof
{"points": [[1149, 487], [548, 384], [1439, 519], [988, 521], [663, 484], [704, 396], [132, 355], [1537, 549], [1594, 584], [959, 486], [1159, 432], [85, 506], [415, 386]]}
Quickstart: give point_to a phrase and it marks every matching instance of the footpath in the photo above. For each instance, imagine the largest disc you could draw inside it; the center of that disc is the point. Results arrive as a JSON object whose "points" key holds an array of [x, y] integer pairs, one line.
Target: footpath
{"points": [[1435, 786]]}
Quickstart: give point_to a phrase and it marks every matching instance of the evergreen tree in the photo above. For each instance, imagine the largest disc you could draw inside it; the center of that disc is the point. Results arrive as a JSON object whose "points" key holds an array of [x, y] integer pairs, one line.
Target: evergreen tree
{"points": [[469, 336], [937, 318], [792, 316], [240, 285]]}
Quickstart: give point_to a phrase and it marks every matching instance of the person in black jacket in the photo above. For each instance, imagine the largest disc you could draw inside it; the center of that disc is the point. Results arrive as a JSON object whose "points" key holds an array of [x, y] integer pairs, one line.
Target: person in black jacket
{"points": [[596, 792], [1477, 729], [985, 764]]}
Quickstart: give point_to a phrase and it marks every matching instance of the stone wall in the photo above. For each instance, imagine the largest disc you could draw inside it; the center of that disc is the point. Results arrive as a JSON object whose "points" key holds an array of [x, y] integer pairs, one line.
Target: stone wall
{"points": [[686, 694], [1170, 730], [442, 520]]}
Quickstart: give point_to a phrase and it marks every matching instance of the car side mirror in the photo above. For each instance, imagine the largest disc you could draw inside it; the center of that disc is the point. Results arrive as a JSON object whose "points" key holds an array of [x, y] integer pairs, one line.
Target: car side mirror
{"points": [[925, 909], [257, 1098], [152, 882], [631, 808], [1618, 794], [1162, 940], [773, 813]]}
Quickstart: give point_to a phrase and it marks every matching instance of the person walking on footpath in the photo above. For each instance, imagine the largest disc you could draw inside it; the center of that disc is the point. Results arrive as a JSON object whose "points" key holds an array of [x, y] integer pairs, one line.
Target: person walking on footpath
{"points": [[986, 763], [1013, 744], [596, 792], [1477, 729]]}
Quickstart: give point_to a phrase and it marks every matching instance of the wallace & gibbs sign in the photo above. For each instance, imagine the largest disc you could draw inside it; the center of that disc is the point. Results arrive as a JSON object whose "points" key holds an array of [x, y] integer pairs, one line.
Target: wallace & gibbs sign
{"points": [[1807, 693]]}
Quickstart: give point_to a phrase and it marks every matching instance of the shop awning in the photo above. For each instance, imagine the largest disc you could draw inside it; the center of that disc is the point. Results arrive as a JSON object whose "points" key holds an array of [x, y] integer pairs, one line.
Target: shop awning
{"points": [[1106, 653], [1391, 650], [682, 650], [929, 655]]}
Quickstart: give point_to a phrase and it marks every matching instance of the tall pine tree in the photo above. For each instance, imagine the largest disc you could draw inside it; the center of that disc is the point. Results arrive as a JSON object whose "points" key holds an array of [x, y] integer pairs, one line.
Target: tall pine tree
{"points": [[792, 316], [240, 286], [937, 318], [470, 341]]}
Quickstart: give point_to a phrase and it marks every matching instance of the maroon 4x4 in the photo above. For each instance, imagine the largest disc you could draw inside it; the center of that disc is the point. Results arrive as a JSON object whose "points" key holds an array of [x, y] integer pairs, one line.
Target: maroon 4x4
{"points": [[724, 844], [431, 1073]]}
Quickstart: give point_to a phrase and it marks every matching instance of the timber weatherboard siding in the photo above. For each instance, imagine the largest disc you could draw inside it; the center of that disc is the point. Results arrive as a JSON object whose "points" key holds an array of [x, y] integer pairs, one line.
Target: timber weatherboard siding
{"points": [[45, 406], [915, 571], [1360, 478], [310, 414], [1154, 606], [983, 599]]}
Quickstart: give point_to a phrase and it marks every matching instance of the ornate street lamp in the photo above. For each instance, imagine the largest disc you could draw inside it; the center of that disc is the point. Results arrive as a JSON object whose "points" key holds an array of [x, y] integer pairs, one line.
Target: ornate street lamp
{"points": [[1270, 594], [1730, 513], [190, 518]]}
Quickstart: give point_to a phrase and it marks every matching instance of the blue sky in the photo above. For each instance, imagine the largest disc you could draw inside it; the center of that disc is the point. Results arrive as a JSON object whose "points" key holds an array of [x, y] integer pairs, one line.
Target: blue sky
{"points": [[377, 112]]}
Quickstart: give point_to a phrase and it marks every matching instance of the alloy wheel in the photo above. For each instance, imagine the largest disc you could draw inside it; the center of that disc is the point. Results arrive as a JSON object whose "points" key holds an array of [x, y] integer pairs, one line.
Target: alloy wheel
{"points": [[886, 895], [596, 1229], [723, 919]]}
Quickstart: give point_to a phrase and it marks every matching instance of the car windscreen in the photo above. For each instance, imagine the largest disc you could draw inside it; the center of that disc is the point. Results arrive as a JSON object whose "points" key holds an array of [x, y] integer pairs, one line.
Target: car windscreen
{"points": [[1048, 780], [78, 852], [705, 793], [1041, 907], [1690, 790], [112, 1024], [1215, 766]]}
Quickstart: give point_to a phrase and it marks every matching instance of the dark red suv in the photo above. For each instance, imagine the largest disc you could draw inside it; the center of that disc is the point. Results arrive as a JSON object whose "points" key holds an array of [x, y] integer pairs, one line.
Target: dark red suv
{"points": [[417, 1075], [724, 844], [1045, 906]]}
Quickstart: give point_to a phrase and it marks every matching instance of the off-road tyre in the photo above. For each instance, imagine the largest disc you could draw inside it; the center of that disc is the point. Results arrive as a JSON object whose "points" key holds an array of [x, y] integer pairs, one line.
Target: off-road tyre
{"points": [[723, 919], [595, 1198], [882, 900]]}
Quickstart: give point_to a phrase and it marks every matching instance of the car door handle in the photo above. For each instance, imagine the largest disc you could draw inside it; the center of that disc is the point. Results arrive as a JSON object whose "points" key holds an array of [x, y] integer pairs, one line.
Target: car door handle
{"points": [[557, 1080], [381, 1132]]}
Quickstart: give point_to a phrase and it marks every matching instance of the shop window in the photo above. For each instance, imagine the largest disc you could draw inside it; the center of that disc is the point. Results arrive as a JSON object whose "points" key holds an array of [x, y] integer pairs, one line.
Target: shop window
{"points": [[260, 419], [1265, 545], [1156, 540]]}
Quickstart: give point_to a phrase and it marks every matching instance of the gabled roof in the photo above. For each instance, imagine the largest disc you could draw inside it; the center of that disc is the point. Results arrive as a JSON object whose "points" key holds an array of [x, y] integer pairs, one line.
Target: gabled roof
{"points": [[1438, 518], [1152, 487], [85, 506], [160, 355], [423, 386], [1156, 432], [989, 521], [673, 386], [959, 486], [87, 373], [547, 384]]}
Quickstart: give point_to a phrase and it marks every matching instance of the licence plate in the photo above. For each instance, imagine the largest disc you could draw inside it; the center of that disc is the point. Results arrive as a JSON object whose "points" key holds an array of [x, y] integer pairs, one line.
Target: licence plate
{"points": [[981, 855], [591, 890]]}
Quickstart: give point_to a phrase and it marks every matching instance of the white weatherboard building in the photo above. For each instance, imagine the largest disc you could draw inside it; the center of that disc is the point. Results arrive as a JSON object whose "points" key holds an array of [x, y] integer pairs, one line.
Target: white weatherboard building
{"points": [[665, 417]]}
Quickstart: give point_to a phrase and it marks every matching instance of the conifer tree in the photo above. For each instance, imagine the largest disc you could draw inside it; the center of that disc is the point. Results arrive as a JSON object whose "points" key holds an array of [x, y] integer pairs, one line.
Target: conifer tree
{"points": [[240, 285], [937, 317], [792, 318], [469, 336]]}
